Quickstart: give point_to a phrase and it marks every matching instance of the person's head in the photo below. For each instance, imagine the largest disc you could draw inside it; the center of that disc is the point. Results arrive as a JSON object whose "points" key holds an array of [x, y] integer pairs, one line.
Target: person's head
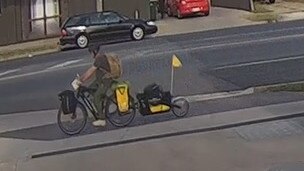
{"points": [[94, 49]]}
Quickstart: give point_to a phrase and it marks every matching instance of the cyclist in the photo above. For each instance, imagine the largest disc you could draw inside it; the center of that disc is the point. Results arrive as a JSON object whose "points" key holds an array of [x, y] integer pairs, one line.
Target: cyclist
{"points": [[103, 81]]}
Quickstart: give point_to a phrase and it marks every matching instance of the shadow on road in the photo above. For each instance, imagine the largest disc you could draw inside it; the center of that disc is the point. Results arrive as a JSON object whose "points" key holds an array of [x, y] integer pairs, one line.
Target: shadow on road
{"points": [[46, 133]]}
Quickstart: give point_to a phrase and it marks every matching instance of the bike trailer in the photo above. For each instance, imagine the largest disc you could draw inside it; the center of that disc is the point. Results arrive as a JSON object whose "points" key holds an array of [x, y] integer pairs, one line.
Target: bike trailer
{"points": [[68, 101], [122, 97]]}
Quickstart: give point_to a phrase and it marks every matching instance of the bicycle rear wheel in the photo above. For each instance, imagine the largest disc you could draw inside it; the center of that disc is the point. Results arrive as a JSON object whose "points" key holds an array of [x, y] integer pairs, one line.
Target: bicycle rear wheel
{"points": [[115, 117], [72, 123]]}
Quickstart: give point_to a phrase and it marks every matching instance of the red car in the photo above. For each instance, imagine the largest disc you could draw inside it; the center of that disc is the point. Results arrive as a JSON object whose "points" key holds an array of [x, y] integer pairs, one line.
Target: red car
{"points": [[181, 8]]}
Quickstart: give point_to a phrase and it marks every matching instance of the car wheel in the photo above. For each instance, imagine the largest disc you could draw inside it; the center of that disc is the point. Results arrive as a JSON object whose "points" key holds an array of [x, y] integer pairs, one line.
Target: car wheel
{"points": [[82, 41], [138, 33]]}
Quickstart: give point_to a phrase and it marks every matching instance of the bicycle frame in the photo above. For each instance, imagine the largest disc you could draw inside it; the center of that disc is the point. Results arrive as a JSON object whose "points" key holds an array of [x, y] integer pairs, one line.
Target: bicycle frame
{"points": [[88, 104]]}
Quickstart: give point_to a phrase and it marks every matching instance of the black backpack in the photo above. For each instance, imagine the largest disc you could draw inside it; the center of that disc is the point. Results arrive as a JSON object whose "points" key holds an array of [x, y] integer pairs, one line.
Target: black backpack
{"points": [[68, 101], [153, 91]]}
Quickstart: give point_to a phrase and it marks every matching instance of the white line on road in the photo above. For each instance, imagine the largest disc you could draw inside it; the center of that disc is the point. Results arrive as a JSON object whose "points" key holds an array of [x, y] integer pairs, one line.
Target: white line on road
{"points": [[171, 52], [64, 64], [44, 71], [222, 45], [258, 62], [9, 72]]}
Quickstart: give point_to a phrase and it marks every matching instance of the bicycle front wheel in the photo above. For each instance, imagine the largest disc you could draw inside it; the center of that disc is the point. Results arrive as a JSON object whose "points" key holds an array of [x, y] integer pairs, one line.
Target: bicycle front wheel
{"points": [[72, 123], [117, 118]]}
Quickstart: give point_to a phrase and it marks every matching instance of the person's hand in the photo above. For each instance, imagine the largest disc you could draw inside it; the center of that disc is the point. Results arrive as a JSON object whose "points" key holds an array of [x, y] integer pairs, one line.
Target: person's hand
{"points": [[76, 83]]}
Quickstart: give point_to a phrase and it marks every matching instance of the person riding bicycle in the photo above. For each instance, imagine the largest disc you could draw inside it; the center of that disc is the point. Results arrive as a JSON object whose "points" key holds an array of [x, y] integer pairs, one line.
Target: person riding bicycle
{"points": [[103, 80]]}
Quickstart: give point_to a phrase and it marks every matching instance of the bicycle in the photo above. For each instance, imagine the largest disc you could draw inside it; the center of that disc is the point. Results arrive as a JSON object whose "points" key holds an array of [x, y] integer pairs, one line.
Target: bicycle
{"points": [[78, 118], [123, 106]]}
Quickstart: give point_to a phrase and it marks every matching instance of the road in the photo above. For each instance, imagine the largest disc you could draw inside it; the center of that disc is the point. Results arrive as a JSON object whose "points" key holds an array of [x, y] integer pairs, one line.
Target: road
{"points": [[213, 61]]}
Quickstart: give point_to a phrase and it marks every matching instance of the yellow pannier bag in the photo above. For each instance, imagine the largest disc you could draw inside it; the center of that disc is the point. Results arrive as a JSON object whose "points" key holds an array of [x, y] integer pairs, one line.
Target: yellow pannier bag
{"points": [[122, 97]]}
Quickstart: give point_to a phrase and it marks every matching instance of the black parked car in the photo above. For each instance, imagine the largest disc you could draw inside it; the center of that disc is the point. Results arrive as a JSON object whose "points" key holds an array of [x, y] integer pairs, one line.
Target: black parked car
{"points": [[103, 26]]}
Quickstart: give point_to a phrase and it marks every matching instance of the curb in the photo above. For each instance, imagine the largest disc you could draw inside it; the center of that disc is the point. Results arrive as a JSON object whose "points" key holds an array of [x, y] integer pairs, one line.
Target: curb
{"points": [[219, 95], [30, 55], [292, 86], [292, 16]]}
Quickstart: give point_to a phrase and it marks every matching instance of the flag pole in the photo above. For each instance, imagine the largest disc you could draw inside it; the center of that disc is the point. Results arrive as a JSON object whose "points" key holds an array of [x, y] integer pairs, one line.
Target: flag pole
{"points": [[176, 63], [172, 79]]}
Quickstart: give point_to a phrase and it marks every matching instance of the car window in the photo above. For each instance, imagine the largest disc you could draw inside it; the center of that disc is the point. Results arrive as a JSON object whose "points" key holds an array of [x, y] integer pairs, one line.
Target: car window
{"points": [[97, 18], [111, 17], [77, 21], [125, 17]]}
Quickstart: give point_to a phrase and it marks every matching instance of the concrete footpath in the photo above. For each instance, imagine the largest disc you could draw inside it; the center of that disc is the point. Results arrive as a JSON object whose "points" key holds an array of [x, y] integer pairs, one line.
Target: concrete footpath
{"points": [[218, 141]]}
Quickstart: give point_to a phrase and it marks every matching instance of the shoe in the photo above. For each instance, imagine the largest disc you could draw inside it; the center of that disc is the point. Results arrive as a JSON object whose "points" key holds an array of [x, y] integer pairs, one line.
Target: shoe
{"points": [[99, 122]]}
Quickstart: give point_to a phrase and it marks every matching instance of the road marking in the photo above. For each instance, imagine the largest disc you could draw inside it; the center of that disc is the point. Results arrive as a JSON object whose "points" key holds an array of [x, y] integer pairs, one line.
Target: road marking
{"points": [[216, 46], [64, 64], [258, 63], [44, 71], [146, 53], [9, 72], [220, 95]]}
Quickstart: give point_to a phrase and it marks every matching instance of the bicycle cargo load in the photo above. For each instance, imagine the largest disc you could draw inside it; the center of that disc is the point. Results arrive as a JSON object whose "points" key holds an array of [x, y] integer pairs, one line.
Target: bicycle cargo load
{"points": [[159, 108], [153, 91], [115, 65], [68, 101], [154, 100]]}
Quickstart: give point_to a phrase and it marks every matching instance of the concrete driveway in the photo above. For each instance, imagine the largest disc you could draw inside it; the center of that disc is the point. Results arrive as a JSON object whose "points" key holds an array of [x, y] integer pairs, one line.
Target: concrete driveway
{"points": [[219, 18]]}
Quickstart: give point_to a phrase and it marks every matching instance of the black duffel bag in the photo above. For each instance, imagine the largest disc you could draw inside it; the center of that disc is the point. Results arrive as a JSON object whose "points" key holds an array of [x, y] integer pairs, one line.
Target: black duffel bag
{"points": [[153, 91], [68, 101]]}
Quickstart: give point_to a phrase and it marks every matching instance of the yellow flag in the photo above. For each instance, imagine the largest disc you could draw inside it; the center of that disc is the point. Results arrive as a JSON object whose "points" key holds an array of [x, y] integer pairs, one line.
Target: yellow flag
{"points": [[176, 62]]}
